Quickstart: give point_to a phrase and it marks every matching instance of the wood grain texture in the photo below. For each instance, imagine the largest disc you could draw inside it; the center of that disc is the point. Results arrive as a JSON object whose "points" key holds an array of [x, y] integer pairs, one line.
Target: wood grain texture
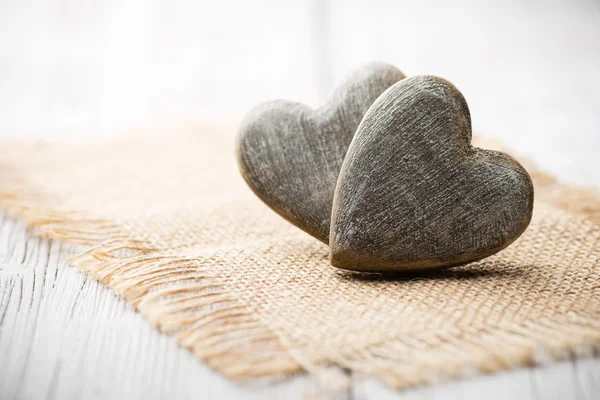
{"points": [[95, 68], [63, 336], [414, 194], [577, 379], [290, 155]]}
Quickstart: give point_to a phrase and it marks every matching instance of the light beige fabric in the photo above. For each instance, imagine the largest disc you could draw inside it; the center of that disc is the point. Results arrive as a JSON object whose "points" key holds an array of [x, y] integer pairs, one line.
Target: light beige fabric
{"points": [[171, 226]]}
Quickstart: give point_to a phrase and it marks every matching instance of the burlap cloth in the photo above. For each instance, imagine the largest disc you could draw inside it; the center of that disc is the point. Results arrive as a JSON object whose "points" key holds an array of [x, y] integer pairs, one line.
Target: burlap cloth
{"points": [[172, 227]]}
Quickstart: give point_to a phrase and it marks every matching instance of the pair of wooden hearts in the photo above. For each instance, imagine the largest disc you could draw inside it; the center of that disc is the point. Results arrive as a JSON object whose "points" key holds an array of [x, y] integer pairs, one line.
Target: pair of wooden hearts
{"points": [[385, 174]]}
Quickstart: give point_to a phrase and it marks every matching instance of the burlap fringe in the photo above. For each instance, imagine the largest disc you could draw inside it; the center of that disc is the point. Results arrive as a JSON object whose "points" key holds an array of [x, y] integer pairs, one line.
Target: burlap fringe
{"points": [[185, 299], [405, 362], [178, 295]]}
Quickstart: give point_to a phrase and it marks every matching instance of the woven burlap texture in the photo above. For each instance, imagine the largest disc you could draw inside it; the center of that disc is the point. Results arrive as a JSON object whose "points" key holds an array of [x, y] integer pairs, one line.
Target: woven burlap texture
{"points": [[170, 225]]}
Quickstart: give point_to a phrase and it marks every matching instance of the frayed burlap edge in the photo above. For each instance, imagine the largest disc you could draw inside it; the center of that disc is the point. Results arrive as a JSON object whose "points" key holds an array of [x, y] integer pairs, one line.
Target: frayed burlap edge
{"points": [[227, 335], [178, 295]]}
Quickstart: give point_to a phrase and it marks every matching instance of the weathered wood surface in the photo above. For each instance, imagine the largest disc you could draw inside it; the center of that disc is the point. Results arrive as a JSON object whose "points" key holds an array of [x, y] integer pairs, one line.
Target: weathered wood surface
{"points": [[89, 69], [290, 154], [64, 336], [414, 194]]}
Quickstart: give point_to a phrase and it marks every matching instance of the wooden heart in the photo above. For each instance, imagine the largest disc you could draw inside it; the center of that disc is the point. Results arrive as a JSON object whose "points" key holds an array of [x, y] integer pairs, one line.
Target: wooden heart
{"points": [[414, 194], [290, 154]]}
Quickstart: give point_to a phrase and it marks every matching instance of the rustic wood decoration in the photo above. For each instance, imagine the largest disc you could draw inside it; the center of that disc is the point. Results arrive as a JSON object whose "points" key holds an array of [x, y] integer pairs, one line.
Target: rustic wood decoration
{"points": [[414, 194], [290, 154]]}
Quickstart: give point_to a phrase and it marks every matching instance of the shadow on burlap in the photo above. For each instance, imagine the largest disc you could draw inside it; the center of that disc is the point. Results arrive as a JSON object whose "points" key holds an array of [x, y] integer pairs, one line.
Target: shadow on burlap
{"points": [[171, 226]]}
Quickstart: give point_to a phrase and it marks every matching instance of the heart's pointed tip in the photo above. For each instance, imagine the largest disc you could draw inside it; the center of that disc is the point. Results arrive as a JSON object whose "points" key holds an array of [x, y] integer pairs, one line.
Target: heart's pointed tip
{"points": [[350, 259], [335, 255], [342, 257]]}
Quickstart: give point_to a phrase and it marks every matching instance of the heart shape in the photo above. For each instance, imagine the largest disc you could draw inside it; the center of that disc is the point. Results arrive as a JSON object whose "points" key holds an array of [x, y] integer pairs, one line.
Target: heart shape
{"points": [[413, 193], [290, 154]]}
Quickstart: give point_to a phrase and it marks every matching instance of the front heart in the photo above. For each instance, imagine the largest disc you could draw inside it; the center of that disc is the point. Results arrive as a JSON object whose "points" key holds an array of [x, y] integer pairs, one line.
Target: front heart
{"points": [[290, 154], [413, 193]]}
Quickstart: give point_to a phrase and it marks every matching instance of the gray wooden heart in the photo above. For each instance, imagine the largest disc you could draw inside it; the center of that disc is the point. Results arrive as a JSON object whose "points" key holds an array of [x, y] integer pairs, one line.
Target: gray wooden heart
{"points": [[414, 194], [290, 154]]}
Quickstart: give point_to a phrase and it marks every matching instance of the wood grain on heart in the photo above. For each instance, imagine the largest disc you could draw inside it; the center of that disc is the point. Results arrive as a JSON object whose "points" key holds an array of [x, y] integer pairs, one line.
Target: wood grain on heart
{"points": [[413, 193], [290, 154]]}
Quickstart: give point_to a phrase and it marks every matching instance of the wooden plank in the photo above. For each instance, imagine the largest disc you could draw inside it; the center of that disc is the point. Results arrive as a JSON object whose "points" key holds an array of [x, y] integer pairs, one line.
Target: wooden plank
{"points": [[577, 379], [91, 69], [568, 380], [64, 336]]}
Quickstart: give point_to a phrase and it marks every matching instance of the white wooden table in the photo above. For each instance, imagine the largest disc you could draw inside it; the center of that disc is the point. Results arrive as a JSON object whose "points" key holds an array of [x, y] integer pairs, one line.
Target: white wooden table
{"points": [[528, 69], [64, 336]]}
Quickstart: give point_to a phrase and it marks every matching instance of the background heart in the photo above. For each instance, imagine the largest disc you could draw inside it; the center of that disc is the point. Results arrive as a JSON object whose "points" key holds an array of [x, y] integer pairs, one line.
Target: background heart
{"points": [[413, 193], [290, 154]]}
